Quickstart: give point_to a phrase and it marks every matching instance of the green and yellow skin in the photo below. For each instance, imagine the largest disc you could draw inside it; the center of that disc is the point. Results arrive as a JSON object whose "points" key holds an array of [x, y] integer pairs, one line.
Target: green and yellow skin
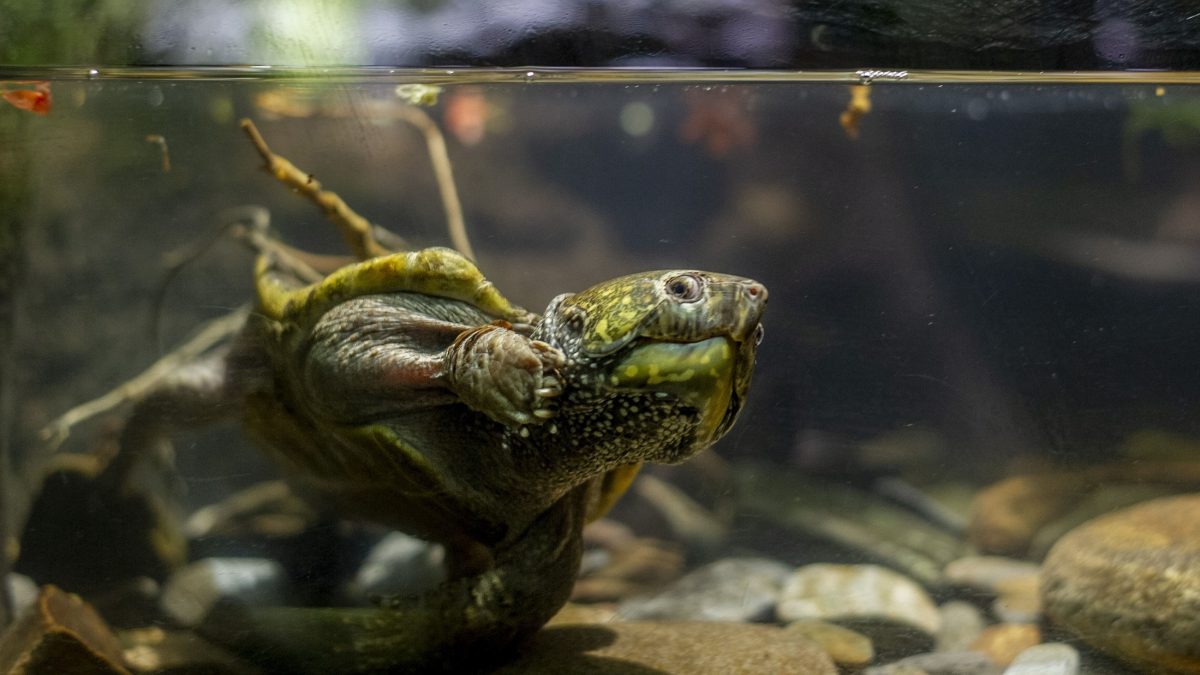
{"points": [[406, 390]]}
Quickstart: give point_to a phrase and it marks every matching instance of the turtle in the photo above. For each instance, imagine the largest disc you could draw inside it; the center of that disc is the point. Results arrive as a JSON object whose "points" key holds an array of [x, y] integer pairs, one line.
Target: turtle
{"points": [[405, 389]]}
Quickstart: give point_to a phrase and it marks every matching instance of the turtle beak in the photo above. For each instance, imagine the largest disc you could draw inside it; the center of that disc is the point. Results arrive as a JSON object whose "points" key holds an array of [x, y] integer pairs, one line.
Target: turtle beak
{"points": [[746, 339]]}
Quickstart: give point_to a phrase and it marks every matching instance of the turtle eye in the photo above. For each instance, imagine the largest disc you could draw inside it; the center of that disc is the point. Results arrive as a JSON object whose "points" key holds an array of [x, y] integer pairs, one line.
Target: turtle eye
{"points": [[685, 287]]}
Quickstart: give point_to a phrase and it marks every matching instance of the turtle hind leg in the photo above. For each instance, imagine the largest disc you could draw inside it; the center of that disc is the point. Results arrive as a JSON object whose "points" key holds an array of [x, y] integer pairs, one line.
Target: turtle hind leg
{"points": [[464, 624]]}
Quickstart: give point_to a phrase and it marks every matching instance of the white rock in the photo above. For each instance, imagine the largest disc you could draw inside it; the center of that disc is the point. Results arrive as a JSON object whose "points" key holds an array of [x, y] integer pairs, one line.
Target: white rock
{"points": [[734, 589], [855, 592], [962, 622], [194, 589], [988, 572], [398, 565], [1051, 658]]}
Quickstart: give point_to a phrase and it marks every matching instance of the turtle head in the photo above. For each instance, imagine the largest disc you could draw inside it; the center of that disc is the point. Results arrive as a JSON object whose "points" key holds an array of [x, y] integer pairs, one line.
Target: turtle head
{"points": [[681, 341]]}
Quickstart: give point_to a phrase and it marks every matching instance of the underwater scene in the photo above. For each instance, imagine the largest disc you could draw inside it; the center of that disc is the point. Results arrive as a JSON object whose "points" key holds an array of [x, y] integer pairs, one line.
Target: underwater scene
{"points": [[601, 372]]}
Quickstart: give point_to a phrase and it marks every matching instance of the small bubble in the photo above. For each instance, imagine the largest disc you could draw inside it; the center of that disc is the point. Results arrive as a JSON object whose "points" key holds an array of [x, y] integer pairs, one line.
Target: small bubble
{"points": [[155, 97], [93, 73], [977, 109], [637, 119]]}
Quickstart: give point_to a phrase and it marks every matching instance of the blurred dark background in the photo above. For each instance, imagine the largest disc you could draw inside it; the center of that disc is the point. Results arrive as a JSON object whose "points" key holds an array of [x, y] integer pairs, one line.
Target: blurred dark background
{"points": [[807, 34]]}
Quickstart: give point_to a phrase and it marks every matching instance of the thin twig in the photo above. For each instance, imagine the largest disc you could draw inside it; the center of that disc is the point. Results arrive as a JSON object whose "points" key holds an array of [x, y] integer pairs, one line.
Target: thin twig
{"points": [[211, 333], [233, 219], [356, 230], [436, 143]]}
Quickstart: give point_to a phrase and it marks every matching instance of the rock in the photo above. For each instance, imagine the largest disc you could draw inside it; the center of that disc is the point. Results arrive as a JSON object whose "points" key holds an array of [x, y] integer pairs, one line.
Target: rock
{"points": [[399, 564], [267, 520], [1127, 583], [1006, 516], [962, 622], [192, 591], [1002, 642], [87, 537], [23, 591], [985, 572], [1019, 599], [891, 609], [60, 634], [1046, 659], [939, 663], [685, 648], [847, 648], [1104, 499], [155, 651], [832, 522], [575, 613], [734, 589]]}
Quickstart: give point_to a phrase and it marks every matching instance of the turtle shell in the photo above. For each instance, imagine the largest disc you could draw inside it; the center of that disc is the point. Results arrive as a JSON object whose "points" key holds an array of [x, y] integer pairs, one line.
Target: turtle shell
{"points": [[426, 471], [436, 271]]}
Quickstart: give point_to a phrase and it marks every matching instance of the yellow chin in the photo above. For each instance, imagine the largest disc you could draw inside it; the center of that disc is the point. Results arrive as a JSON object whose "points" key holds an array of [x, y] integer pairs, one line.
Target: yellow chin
{"points": [[699, 374]]}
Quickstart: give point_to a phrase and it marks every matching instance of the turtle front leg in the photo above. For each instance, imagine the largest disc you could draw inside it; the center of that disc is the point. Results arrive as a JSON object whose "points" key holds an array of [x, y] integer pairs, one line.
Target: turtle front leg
{"points": [[467, 623], [506, 375]]}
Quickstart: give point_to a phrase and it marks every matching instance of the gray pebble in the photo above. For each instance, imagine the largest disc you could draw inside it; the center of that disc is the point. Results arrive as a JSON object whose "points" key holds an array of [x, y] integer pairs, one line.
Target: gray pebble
{"points": [[195, 588], [940, 663], [987, 572], [734, 589], [398, 565], [962, 622], [22, 590], [1052, 658]]}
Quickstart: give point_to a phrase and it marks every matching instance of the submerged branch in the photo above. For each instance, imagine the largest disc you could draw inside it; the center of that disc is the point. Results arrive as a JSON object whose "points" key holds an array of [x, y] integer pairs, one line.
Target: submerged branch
{"points": [[357, 231], [436, 143], [213, 332]]}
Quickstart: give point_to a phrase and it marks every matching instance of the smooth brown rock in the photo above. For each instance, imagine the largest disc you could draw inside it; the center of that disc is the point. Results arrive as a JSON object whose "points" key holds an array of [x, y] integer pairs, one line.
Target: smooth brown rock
{"points": [[576, 613], [700, 648], [847, 648], [1003, 642], [1019, 599], [1129, 583], [60, 634], [1006, 516], [985, 572]]}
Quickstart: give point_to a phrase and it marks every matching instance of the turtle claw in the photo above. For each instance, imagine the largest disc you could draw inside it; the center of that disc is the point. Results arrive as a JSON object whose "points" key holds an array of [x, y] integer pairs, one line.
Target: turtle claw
{"points": [[505, 375]]}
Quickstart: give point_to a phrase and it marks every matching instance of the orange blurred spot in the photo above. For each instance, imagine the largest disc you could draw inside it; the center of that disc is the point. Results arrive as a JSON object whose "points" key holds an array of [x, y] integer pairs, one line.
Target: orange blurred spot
{"points": [[718, 119], [36, 100], [466, 115], [856, 109]]}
